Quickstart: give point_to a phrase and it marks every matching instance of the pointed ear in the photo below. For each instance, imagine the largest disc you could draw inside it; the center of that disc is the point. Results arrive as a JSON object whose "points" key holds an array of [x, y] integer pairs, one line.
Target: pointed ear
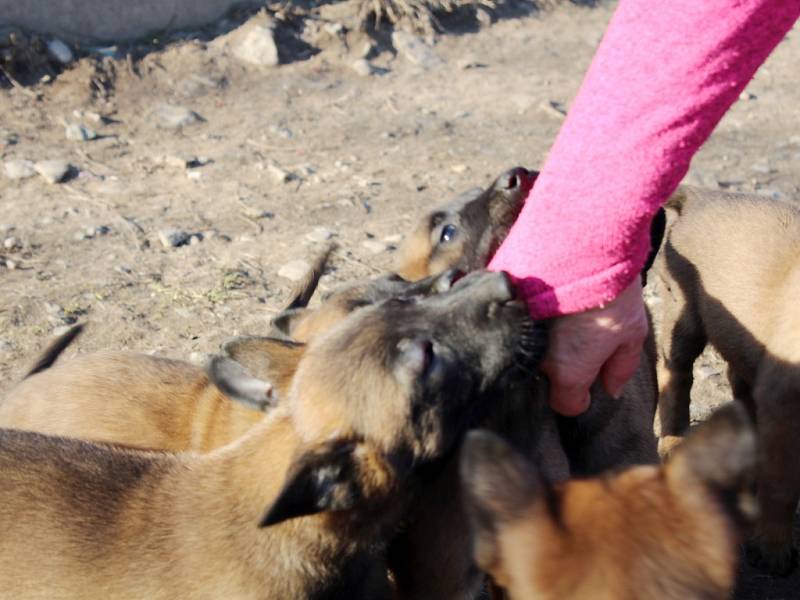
{"points": [[236, 383], [255, 371], [284, 323], [336, 476], [720, 452], [305, 288], [499, 485], [271, 359]]}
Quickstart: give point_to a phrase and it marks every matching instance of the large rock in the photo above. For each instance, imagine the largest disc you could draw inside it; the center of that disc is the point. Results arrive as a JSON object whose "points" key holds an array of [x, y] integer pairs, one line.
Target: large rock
{"points": [[252, 43]]}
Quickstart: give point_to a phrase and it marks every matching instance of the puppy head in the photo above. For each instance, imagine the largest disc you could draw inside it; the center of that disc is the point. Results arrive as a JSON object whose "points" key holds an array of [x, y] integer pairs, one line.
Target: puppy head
{"points": [[466, 233], [407, 373], [302, 323], [404, 376], [645, 532]]}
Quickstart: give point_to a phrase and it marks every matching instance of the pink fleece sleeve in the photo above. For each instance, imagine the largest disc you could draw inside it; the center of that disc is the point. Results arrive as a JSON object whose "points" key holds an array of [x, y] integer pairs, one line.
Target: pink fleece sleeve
{"points": [[662, 78]]}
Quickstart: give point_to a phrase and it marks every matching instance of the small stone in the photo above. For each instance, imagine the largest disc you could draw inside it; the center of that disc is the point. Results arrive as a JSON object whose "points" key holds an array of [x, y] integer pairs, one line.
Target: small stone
{"points": [[172, 116], [554, 108], [53, 171], [12, 243], [362, 67], [470, 63], [194, 175], [281, 131], [60, 51], [374, 246], [10, 264], [747, 96], [79, 133], [394, 238], [257, 47], [294, 270], [278, 174], [319, 234], [458, 169], [195, 239], [415, 50], [172, 238], [19, 169]]}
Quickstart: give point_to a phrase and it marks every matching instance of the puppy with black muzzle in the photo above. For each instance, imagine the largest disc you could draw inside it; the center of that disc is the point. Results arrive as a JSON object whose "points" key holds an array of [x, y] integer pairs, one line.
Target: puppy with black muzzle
{"points": [[730, 271], [325, 474]]}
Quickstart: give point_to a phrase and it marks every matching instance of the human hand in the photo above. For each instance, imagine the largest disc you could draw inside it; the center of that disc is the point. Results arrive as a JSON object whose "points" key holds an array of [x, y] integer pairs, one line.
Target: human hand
{"points": [[605, 341]]}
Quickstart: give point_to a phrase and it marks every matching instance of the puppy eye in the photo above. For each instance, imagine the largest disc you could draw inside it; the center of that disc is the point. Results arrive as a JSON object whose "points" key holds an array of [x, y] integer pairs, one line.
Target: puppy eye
{"points": [[448, 233], [512, 182]]}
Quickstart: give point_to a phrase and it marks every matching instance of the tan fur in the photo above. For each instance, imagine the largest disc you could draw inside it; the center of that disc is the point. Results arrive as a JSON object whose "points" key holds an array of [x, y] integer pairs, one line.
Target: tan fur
{"points": [[159, 526], [730, 271], [666, 532], [133, 400], [85, 521]]}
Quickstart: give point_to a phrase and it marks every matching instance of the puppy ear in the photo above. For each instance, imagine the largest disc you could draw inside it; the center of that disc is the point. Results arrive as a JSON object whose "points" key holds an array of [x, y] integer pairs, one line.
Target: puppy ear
{"points": [[255, 370], [720, 453], [499, 486], [336, 476], [305, 288], [284, 323]]}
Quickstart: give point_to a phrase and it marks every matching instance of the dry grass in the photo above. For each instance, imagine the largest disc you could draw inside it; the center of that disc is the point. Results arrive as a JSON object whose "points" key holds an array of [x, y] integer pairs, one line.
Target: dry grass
{"points": [[419, 15]]}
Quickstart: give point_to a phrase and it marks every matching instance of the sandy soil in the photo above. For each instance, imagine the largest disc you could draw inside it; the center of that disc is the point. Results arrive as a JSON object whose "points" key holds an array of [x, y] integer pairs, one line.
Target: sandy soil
{"points": [[362, 155]]}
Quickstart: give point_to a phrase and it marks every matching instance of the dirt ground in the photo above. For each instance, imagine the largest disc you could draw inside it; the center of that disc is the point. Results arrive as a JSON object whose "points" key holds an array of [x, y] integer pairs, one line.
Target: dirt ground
{"points": [[278, 152]]}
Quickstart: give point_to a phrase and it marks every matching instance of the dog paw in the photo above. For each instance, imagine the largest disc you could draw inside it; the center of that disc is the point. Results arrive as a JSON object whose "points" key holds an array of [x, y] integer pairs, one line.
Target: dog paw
{"points": [[667, 444], [778, 560]]}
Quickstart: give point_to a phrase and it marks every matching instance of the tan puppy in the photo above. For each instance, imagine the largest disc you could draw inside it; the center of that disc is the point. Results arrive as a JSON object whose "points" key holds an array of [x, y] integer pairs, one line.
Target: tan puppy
{"points": [[465, 233], [145, 401], [666, 532], [384, 392], [731, 276]]}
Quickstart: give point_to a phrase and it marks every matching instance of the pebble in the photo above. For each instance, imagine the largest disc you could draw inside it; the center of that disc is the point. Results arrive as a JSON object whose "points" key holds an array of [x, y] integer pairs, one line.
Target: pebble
{"points": [[12, 243], [362, 67], [19, 169], [394, 239], [279, 174], [374, 246], [294, 270], [281, 131], [89, 115], [320, 234], [79, 133], [172, 238], [414, 50], [554, 108], [10, 264], [175, 117], [53, 171], [255, 44], [60, 51], [92, 232], [459, 169]]}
